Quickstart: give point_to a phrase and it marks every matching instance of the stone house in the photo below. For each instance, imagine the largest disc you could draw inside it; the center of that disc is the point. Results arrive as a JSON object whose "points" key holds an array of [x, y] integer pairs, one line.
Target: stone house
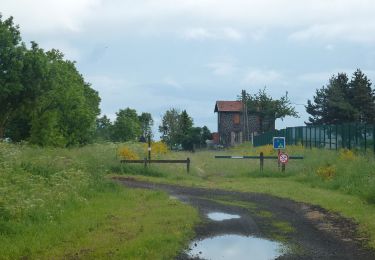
{"points": [[234, 126]]}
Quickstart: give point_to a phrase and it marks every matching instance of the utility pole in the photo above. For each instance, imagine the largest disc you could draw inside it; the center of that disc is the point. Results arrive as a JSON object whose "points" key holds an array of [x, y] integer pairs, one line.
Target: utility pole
{"points": [[245, 116]]}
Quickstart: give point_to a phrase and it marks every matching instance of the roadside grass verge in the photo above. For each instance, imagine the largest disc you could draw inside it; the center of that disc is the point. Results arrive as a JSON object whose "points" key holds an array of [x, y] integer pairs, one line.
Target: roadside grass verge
{"points": [[125, 224], [56, 203]]}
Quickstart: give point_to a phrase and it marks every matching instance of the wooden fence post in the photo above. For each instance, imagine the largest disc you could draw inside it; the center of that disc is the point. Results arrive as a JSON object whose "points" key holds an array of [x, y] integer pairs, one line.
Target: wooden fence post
{"points": [[145, 163], [188, 164], [149, 147], [261, 161]]}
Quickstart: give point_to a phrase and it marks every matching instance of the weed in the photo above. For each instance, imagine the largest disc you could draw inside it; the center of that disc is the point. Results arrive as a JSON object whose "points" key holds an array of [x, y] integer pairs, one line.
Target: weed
{"points": [[127, 154], [327, 172], [347, 155], [157, 149]]}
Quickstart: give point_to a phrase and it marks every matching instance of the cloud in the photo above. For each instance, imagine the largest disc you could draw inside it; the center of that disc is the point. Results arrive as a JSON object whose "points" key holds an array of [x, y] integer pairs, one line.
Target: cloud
{"points": [[350, 20], [222, 68], [70, 52], [172, 82], [360, 32], [323, 77], [261, 77], [49, 16], [329, 47], [199, 33]]}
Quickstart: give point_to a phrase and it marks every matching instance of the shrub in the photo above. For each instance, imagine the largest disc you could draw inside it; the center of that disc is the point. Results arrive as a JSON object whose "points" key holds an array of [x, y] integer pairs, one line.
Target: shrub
{"points": [[327, 172], [127, 154], [347, 155], [157, 148]]}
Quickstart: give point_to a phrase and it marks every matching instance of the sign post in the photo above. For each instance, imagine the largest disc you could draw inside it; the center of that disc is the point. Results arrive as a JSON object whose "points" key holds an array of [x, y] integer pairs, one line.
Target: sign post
{"points": [[279, 143], [149, 148], [283, 159]]}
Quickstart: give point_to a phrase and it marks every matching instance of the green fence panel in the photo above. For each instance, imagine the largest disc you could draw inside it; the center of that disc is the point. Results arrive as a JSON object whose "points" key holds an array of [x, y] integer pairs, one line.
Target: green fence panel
{"points": [[350, 136]]}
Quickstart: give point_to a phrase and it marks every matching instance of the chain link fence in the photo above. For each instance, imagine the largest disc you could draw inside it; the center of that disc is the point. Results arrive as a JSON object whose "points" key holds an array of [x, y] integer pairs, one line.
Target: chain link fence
{"points": [[350, 136]]}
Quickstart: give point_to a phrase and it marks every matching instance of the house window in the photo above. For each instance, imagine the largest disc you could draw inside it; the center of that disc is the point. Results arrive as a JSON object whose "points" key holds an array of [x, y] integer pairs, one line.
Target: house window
{"points": [[236, 119]]}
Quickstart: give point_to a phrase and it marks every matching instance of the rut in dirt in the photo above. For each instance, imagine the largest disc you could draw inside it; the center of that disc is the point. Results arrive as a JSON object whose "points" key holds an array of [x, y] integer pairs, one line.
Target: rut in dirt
{"points": [[238, 225]]}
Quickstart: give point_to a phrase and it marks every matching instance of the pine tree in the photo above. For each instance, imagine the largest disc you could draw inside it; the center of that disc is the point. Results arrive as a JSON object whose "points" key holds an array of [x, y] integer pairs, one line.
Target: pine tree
{"points": [[331, 103], [342, 101], [362, 97]]}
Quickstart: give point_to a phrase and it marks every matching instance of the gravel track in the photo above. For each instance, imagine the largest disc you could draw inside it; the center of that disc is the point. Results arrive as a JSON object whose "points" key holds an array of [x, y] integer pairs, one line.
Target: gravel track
{"points": [[310, 232]]}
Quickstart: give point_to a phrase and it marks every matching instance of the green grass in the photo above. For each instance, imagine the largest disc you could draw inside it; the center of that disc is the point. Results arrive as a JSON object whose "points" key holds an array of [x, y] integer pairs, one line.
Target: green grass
{"points": [[56, 203], [60, 203], [350, 192]]}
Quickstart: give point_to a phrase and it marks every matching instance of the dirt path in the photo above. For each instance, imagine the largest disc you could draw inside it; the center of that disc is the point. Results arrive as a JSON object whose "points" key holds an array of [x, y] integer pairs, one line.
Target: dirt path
{"points": [[308, 232]]}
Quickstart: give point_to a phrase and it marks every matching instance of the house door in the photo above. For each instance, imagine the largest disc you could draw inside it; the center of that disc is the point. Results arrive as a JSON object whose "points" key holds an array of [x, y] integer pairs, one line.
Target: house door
{"points": [[232, 138], [236, 138]]}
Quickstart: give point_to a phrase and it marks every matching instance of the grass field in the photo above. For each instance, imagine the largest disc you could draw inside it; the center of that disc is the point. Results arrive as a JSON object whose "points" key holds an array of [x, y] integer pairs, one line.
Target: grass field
{"points": [[61, 203], [341, 181], [56, 203]]}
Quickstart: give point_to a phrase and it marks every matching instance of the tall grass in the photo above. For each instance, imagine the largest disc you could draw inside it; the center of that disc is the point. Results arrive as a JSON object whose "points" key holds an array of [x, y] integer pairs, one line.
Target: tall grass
{"points": [[39, 184], [55, 203], [344, 171]]}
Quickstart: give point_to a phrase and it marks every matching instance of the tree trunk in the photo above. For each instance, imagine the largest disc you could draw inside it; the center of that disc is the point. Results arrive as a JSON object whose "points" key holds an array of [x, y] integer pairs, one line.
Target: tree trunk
{"points": [[2, 130], [3, 123]]}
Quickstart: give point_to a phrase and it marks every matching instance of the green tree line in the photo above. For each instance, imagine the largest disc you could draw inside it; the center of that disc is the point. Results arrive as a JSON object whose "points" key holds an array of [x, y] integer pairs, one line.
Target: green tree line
{"points": [[177, 129], [128, 126], [43, 97]]}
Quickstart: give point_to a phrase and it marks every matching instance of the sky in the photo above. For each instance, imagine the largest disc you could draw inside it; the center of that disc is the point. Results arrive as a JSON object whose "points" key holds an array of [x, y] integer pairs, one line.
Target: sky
{"points": [[153, 55]]}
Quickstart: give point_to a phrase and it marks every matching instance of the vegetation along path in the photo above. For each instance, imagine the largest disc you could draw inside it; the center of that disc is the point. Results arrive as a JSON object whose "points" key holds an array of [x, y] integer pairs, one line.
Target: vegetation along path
{"points": [[303, 231]]}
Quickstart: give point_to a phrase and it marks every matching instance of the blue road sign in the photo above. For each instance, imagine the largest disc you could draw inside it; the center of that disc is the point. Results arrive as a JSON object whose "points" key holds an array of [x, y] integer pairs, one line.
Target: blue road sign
{"points": [[279, 143]]}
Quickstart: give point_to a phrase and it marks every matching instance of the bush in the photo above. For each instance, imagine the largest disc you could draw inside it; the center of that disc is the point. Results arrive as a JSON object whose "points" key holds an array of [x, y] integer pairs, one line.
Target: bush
{"points": [[347, 155], [327, 172], [126, 154]]}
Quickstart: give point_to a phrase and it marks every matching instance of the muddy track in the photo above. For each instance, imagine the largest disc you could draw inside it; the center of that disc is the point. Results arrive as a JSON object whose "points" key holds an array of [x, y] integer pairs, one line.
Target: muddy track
{"points": [[309, 232]]}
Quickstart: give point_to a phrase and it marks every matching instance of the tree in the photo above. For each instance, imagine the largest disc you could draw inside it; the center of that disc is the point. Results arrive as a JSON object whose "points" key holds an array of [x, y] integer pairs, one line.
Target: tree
{"points": [[169, 127], [127, 126], [362, 97], [146, 122], [342, 101], [12, 91], [64, 114], [43, 98], [266, 108], [205, 135], [34, 80], [191, 138], [185, 122], [103, 128]]}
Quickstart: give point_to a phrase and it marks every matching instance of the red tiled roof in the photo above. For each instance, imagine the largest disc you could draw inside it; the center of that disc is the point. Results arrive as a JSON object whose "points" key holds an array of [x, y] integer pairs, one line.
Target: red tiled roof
{"points": [[228, 106]]}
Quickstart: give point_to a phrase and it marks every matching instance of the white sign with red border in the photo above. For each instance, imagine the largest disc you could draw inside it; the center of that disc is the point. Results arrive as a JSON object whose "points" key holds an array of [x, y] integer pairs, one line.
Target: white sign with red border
{"points": [[283, 158]]}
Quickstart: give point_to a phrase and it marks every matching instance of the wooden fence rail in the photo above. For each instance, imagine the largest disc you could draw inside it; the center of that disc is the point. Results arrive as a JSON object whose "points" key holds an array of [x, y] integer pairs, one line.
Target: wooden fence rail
{"points": [[261, 158], [145, 161]]}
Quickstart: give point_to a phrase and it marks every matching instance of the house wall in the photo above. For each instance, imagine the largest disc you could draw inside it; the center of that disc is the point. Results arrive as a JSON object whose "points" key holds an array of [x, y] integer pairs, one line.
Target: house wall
{"points": [[227, 129]]}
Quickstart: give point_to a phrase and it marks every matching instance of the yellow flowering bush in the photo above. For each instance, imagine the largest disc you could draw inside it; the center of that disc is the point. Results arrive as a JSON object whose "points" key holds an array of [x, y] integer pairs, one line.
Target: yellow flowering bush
{"points": [[327, 172], [127, 154], [157, 148], [347, 155]]}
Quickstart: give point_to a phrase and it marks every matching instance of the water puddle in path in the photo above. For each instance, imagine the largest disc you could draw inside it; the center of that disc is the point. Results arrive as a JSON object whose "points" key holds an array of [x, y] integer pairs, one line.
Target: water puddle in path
{"points": [[220, 216], [235, 247]]}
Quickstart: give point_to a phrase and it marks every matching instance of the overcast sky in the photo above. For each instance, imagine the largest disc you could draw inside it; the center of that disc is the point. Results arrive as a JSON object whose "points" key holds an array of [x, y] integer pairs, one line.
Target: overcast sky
{"points": [[152, 55]]}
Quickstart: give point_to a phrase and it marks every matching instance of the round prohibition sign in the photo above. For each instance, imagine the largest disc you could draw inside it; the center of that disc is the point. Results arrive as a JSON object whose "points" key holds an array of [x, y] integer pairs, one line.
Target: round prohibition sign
{"points": [[283, 158]]}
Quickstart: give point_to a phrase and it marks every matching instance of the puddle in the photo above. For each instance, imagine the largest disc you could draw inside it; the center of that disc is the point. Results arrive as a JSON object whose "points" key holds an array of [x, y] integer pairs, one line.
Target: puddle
{"points": [[220, 216], [236, 247]]}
